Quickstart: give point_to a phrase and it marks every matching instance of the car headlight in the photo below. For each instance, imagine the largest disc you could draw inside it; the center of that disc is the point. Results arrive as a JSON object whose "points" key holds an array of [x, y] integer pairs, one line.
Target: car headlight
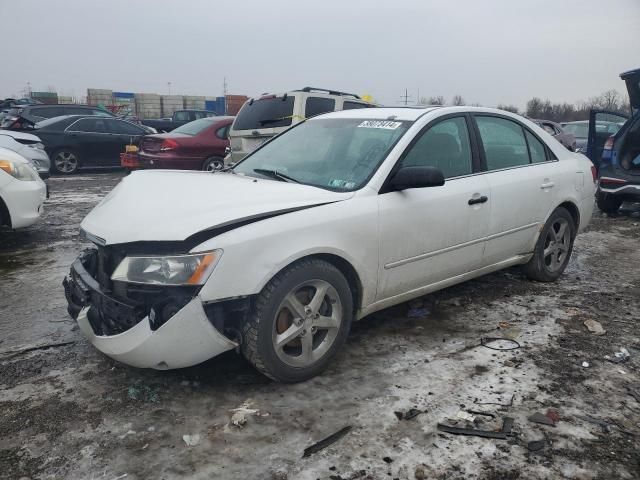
{"points": [[191, 269], [20, 171]]}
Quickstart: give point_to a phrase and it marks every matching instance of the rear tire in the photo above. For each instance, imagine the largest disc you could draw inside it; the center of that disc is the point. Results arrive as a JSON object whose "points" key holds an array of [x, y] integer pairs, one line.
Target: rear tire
{"points": [[213, 164], [299, 321], [553, 248], [608, 203], [65, 161]]}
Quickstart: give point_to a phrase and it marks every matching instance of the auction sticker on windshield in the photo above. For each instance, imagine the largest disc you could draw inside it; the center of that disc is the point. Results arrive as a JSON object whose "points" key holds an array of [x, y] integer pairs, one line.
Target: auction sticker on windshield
{"points": [[380, 124]]}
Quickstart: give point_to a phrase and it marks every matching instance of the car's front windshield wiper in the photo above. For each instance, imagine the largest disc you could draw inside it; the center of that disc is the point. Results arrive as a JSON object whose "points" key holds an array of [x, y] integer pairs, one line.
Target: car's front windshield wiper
{"points": [[275, 174]]}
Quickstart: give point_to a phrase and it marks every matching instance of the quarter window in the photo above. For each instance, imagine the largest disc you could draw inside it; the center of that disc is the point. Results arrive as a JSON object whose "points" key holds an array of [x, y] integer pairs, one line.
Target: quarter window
{"points": [[536, 149], [222, 132], [444, 146], [503, 142], [317, 105]]}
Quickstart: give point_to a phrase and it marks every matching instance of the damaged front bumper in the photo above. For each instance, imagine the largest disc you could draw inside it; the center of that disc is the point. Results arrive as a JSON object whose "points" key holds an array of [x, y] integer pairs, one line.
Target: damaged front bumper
{"points": [[184, 339]]}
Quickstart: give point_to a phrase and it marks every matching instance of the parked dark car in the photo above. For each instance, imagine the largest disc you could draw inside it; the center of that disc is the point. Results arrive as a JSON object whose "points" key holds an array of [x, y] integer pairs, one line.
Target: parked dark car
{"points": [[24, 117], [197, 145], [555, 130], [619, 175], [76, 141], [604, 128], [179, 118]]}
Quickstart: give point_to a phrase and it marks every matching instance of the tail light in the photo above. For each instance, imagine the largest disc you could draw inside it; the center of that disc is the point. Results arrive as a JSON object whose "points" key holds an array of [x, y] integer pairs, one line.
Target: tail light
{"points": [[608, 145], [611, 182], [168, 144], [594, 173]]}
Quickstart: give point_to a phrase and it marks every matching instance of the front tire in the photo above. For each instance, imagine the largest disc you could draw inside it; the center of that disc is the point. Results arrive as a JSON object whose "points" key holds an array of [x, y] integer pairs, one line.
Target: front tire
{"points": [[299, 321], [65, 161], [608, 203], [553, 248]]}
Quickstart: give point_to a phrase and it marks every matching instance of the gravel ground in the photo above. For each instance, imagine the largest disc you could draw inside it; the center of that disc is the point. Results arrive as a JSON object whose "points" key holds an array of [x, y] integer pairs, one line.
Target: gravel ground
{"points": [[69, 412]]}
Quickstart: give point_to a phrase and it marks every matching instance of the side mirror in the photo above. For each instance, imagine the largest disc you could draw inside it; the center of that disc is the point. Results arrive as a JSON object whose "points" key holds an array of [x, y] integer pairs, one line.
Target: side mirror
{"points": [[416, 177]]}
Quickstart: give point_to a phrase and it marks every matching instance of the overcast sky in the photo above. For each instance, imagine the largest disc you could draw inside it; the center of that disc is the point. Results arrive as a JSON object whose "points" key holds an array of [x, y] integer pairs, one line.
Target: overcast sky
{"points": [[488, 51]]}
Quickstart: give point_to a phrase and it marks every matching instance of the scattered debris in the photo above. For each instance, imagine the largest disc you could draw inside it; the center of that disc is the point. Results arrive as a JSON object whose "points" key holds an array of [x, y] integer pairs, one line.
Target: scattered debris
{"points": [[324, 443], [536, 445], [420, 474], [12, 353], [553, 415], [191, 440], [619, 357], [243, 412], [387, 459], [594, 327], [409, 414], [496, 403], [484, 414], [585, 364], [500, 435], [466, 416], [604, 425], [502, 343], [504, 325], [543, 419]]}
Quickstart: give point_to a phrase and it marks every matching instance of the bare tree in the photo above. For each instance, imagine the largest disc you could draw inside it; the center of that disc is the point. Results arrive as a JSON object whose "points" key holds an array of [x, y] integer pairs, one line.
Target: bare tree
{"points": [[457, 101], [508, 108], [439, 100]]}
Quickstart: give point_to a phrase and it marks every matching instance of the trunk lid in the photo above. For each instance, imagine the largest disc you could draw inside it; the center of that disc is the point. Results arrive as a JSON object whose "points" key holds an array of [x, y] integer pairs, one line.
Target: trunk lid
{"points": [[152, 143]]}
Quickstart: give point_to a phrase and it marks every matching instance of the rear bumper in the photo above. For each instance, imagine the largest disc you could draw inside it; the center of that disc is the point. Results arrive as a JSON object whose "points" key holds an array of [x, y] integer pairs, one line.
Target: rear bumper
{"points": [[169, 161], [185, 339], [632, 190]]}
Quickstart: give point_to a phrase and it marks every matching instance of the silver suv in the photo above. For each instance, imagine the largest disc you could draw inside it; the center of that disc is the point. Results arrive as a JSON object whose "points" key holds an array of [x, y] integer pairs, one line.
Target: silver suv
{"points": [[262, 118]]}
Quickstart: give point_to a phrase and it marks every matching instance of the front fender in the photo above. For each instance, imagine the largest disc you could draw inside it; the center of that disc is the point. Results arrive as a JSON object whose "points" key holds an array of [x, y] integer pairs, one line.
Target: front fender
{"points": [[255, 253]]}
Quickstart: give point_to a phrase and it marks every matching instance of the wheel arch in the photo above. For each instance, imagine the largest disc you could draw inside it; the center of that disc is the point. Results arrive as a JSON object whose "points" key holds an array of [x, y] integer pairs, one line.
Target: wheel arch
{"points": [[5, 215], [343, 265], [573, 210]]}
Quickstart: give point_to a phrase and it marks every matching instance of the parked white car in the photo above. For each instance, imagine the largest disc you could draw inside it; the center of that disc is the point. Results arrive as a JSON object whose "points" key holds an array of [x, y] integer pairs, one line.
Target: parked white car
{"points": [[30, 147], [343, 215], [262, 118], [22, 191]]}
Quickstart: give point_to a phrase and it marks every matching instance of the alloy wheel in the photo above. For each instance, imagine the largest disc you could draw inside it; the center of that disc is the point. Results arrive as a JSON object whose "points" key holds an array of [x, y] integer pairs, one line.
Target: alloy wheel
{"points": [[557, 244], [214, 166], [307, 323], [66, 162]]}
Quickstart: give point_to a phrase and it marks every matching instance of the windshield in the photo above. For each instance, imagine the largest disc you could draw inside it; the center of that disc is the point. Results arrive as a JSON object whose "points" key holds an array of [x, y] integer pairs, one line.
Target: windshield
{"points": [[265, 113], [193, 128], [578, 129], [334, 154]]}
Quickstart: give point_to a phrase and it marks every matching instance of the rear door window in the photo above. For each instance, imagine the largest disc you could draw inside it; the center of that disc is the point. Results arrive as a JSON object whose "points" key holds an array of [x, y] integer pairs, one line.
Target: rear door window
{"points": [[268, 112], [120, 127], [536, 149], [89, 125], [503, 141], [353, 105], [317, 105]]}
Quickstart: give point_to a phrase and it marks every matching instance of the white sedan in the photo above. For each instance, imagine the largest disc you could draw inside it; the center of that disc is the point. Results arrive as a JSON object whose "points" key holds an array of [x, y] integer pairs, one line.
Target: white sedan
{"points": [[22, 192], [342, 215]]}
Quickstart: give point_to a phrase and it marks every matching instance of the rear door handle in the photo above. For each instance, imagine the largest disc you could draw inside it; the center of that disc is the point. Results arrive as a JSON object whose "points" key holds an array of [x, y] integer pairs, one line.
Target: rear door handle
{"points": [[474, 201], [546, 185]]}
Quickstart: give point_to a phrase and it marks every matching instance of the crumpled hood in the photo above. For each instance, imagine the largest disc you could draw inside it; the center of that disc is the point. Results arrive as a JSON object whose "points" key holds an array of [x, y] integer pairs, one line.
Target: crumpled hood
{"points": [[168, 205]]}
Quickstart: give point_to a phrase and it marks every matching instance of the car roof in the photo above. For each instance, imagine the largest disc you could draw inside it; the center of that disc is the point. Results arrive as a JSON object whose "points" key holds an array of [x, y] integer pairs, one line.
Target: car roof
{"points": [[411, 113]]}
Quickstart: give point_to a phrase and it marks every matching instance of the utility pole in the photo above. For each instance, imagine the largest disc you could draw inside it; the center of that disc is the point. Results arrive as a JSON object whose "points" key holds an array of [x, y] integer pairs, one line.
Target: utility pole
{"points": [[169, 87], [406, 97]]}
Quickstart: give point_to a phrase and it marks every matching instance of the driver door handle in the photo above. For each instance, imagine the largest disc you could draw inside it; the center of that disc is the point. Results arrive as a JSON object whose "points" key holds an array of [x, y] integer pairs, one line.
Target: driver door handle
{"points": [[475, 201]]}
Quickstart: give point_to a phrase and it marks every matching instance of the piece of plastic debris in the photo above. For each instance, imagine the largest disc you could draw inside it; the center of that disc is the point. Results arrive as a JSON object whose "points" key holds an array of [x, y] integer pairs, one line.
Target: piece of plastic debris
{"points": [[420, 473], [541, 419], [500, 435], [409, 414], [499, 343], [191, 440], [242, 413], [553, 415], [418, 312], [594, 327], [619, 357], [585, 364], [324, 443], [536, 445], [466, 416], [509, 404]]}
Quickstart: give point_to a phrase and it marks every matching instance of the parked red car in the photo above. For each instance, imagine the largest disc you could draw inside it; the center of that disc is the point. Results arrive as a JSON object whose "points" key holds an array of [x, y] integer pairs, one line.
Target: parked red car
{"points": [[197, 145]]}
